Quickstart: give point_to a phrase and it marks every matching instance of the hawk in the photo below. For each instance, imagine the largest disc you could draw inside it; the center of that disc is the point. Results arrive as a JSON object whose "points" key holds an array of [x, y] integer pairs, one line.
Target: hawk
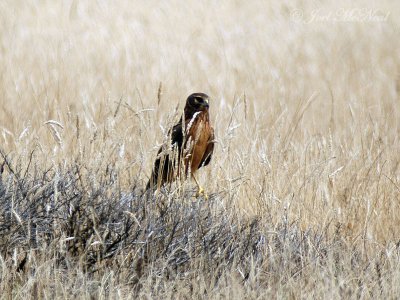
{"points": [[190, 147]]}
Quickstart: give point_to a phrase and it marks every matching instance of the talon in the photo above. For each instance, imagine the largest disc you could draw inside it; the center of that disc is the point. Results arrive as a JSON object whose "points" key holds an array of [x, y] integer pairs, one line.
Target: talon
{"points": [[201, 192]]}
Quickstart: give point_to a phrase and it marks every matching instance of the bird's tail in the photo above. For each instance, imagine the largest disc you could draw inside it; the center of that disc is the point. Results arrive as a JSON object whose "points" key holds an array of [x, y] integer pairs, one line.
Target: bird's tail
{"points": [[152, 182], [147, 186]]}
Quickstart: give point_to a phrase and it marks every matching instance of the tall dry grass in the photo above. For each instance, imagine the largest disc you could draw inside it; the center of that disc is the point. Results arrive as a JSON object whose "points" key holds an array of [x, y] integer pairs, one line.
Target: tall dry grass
{"points": [[304, 181]]}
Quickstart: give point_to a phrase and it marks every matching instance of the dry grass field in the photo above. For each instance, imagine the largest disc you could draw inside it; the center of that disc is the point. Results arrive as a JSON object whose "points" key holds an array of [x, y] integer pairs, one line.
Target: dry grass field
{"points": [[304, 183]]}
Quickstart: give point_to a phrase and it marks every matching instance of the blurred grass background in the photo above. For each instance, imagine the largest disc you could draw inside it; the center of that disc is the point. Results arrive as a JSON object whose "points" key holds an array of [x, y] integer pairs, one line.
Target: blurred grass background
{"points": [[305, 102]]}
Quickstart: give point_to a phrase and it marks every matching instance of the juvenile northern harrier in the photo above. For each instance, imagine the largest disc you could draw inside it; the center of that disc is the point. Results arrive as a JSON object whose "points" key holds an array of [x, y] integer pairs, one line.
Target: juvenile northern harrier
{"points": [[191, 145]]}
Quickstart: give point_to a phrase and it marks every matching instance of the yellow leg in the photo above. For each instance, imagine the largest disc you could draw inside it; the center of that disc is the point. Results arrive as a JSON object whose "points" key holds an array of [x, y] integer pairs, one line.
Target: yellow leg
{"points": [[201, 190]]}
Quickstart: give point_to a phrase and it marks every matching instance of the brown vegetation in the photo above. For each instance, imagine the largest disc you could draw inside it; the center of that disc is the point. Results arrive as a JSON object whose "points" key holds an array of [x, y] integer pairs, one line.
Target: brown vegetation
{"points": [[304, 183]]}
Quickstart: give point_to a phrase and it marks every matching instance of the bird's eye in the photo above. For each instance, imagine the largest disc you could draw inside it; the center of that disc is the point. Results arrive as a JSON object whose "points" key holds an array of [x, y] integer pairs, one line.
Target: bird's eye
{"points": [[196, 100]]}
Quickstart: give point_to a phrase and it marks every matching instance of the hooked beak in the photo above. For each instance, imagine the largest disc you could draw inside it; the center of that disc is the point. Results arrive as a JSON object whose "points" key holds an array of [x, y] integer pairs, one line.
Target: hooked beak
{"points": [[205, 104]]}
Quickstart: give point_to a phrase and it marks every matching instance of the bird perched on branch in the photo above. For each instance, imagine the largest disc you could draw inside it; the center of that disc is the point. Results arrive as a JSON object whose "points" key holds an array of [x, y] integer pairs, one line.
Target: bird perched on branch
{"points": [[190, 147]]}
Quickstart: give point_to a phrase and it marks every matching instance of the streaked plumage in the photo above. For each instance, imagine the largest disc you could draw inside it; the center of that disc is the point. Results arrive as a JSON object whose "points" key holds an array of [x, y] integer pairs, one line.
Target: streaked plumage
{"points": [[191, 145]]}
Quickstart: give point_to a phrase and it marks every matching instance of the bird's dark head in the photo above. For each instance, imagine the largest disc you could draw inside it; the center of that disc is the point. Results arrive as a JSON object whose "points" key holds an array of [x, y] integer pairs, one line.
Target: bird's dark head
{"points": [[197, 102]]}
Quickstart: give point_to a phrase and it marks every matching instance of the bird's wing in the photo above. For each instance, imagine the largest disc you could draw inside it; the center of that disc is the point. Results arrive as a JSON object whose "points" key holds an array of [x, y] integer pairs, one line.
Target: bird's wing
{"points": [[177, 135], [163, 161], [209, 150]]}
